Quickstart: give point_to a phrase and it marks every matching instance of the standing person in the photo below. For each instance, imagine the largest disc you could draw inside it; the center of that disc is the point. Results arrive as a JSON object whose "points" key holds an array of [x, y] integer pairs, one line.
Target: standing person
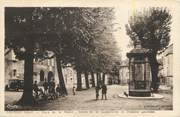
{"points": [[97, 88], [104, 91], [35, 88], [53, 85], [45, 85], [73, 90], [58, 90], [51, 89]]}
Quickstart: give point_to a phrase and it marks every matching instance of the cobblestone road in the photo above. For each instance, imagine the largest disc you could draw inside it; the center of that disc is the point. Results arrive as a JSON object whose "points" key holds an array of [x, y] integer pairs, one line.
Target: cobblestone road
{"points": [[85, 100]]}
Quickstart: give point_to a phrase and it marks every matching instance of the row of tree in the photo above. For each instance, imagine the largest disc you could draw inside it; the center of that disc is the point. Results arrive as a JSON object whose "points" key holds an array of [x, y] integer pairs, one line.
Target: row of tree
{"points": [[82, 37]]}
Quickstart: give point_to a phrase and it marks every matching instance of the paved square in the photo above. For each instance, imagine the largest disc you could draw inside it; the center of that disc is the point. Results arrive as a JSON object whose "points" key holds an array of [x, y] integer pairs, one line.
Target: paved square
{"points": [[85, 100]]}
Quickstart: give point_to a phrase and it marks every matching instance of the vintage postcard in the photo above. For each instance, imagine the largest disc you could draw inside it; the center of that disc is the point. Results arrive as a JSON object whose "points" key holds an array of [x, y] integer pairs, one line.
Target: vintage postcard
{"points": [[90, 58]]}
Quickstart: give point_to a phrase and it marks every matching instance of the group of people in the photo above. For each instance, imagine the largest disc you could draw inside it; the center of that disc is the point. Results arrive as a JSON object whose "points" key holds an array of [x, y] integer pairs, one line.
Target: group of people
{"points": [[50, 89], [104, 91], [53, 91]]}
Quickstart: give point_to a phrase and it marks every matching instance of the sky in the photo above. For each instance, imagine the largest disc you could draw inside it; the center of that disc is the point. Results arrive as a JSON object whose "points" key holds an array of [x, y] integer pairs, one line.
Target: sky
{"points": [[122, 14], [121, 18]]}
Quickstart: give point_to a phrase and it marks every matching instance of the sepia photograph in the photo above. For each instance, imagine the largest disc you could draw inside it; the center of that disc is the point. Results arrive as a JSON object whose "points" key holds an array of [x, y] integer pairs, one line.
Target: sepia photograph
{"points": [[89, 58]]}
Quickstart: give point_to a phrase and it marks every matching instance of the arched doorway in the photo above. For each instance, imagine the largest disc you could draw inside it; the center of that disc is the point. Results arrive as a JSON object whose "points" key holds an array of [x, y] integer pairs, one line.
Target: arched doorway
{"points": [[50, 76], [41, 75]]}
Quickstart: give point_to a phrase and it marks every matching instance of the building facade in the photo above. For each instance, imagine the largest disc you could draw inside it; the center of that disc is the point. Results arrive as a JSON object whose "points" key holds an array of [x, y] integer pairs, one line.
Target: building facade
{"points": [[124, 72], [14, 69], [69, 77], [165, 58]]}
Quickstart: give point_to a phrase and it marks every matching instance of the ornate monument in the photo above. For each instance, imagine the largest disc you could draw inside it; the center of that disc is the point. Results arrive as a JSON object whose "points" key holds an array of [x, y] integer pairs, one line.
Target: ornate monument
{"points": [[139, 71]]}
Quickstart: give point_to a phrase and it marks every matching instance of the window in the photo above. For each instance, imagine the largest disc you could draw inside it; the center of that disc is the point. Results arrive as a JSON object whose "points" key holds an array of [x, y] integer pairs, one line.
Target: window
{"points": [[41, 75], [14, 72]]}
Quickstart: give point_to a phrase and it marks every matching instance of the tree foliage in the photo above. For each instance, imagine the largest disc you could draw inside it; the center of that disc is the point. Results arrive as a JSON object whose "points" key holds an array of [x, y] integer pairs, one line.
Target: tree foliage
{"points": [[152, 27], [103, 49]]}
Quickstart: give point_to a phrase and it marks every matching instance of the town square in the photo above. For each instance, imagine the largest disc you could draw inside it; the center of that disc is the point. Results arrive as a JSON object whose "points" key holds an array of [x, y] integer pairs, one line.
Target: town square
{"points": [[88, 58]]}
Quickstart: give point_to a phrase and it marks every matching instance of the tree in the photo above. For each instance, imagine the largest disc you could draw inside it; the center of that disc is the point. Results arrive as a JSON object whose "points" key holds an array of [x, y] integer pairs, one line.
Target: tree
{"points": [[21, 36], [29, 33], [152, 27]]}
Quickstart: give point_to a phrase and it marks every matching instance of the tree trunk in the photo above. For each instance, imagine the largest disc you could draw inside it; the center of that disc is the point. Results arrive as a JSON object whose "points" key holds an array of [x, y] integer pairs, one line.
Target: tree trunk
{"points": [[27, 98], [100, 79], [87, 80], [93, 82], [60, 75], [79, 81], [97, 79], [154, 71], [118, 77], [103, 78]]}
